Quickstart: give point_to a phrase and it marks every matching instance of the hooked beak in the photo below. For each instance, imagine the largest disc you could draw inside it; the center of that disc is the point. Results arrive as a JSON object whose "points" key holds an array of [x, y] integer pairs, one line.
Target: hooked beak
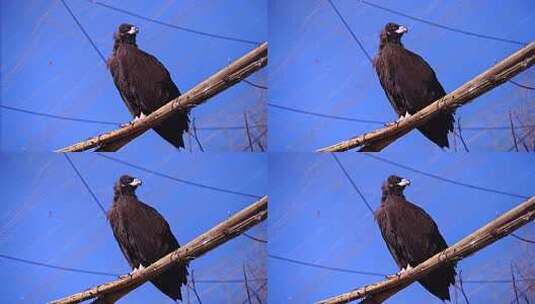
{"points": [[133, 30], [401, 29], [136, 182], [404, 182]]}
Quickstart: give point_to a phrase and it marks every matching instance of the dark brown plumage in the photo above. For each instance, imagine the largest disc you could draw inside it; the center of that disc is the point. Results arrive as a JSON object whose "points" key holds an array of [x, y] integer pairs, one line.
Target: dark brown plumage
{"points": [[410, 83], [145, 84], [412, 236], [144, 236]]}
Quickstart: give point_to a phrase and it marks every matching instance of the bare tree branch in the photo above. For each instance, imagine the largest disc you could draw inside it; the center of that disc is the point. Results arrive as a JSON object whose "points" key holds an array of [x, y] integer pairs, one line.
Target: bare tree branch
{"points": [[461, 286], [501, 72], [196, 136], [488, 234], [194, 287], [248, 132], [225, 78], [223, 232], [461, 135], [246, 285], [514, 284], [513, 131]]}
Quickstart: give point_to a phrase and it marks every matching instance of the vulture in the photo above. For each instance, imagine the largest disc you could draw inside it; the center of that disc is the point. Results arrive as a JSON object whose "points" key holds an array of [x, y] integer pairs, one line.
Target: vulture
{"points": [[412, 236], [144, 236], [145, 84], [410, 84]]}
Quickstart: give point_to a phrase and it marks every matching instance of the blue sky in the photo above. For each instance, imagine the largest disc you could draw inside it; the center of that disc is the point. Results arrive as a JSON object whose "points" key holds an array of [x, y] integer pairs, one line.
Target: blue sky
{"points": [[315, 65], [48, 216], [317, 217], [49, 66]]}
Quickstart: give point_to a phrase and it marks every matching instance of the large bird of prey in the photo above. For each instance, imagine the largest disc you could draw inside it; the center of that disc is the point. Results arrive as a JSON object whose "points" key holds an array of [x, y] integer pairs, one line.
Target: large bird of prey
{"points": [[410, 84], [412, 236], [145, 84], [144, 236]]}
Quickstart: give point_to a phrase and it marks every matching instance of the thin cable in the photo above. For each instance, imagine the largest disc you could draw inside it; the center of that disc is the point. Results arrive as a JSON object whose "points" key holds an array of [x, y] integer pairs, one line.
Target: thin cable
{"points": [[326, 267], [58, 267], [69, 118], [445, 179], [103, 122], [85, 183], [254, 84], [176, 179], [109, 274], [377, 274], [352, 183], [59, 116], [522, 239], [351, 32], [254, 238], [377, 122], [175, 26], [449, 28], [325, 115], [83, 31], [521, 85]]}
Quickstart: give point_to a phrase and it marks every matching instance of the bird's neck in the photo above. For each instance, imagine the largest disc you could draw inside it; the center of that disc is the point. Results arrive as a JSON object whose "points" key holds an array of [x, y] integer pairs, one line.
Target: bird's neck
{"points": [[124, 42], [123, 193], [386, 194], [389, 42]]}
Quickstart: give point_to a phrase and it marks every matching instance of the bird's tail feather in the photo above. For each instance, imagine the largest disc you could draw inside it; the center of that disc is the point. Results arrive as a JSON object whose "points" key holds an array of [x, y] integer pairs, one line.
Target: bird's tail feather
{"points": [[438, 281], [171, 280], [437, 129], [172, 129]]}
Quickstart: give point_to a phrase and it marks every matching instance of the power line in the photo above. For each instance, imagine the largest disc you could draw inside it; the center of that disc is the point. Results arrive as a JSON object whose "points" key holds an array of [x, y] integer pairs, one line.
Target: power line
{"points": [[103, 122], [254, 84], [109, 274], [522, 239], [449, 28], [85, 183], [351, 32], [58, 267], [83, 31], [175, 26], [352, 182], [272, 105], [377, 122], [445, 179], [176, 179], [377, 274], [299, 262], [521, 85], [59, 116], [254, 238]]}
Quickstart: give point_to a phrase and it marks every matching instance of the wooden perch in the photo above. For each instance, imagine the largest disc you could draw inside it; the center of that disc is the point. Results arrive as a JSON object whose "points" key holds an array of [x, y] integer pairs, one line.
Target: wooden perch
{"points": [[377, 140], [223, 232], [225, 78], [488, 234]]}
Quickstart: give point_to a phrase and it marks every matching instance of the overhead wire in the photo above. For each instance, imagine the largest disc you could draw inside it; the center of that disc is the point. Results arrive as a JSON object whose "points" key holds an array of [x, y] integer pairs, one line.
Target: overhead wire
{"points": [[448, 180], [109, 274], [176, 179], [352, 182], [379, 122], [81, 27], [84, 183], [182, 28], [449, 28]]}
